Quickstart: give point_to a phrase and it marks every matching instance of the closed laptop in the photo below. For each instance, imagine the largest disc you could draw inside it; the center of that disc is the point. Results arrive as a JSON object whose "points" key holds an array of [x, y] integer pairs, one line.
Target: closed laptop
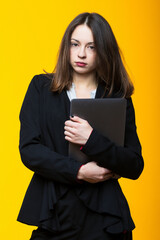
{"points": [[106, 115]]}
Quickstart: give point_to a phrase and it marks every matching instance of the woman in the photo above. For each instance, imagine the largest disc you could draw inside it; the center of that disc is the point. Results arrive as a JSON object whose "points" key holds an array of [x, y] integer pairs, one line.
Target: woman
{"points": [[65, 199]]}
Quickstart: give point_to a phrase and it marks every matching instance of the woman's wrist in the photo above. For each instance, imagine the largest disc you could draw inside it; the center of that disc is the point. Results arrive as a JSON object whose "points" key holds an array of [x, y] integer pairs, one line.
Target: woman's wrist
{"points": [[80, 173]]}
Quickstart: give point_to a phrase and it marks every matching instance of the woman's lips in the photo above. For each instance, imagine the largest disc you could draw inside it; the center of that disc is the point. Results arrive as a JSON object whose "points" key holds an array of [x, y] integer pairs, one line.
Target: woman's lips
{"points": [[81, 64]]}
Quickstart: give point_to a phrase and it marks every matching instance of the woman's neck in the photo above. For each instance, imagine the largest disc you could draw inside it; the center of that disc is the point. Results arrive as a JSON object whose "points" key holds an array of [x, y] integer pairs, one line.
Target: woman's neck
{"points": [[84, 84], [85, 81]]}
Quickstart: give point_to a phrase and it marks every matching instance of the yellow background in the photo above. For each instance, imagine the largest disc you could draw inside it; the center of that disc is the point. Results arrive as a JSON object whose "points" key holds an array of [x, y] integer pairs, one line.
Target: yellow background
{"points": [[30, 36]]}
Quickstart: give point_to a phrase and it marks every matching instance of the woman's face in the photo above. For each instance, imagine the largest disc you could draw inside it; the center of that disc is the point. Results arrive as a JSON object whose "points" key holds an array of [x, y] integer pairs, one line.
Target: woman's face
{"points": [[82, 50]]}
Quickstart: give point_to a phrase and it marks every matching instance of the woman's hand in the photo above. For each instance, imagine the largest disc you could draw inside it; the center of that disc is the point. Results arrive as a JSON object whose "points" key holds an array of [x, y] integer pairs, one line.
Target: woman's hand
{"points": [[77, 130], [92, 173]]}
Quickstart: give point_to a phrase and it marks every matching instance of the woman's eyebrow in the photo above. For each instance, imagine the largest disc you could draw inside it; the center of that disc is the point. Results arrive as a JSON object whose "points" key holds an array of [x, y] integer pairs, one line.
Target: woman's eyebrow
{"points": [[79, 41]]}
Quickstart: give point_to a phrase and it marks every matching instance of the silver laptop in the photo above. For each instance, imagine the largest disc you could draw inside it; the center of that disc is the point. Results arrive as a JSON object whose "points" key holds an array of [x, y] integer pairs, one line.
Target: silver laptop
{"points": [[106, 115]]}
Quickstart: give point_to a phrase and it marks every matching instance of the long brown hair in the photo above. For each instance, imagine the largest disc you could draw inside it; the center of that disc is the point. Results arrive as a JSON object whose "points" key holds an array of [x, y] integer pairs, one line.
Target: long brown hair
{"points": [[110, 69]]}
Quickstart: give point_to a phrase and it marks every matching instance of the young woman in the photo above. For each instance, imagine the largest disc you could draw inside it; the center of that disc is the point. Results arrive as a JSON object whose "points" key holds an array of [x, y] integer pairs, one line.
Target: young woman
{"points": [[65, 199]]}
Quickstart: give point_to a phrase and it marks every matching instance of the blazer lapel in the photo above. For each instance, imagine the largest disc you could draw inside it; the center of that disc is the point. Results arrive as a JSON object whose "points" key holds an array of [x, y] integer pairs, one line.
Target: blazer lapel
{"points": [[100, 91]]}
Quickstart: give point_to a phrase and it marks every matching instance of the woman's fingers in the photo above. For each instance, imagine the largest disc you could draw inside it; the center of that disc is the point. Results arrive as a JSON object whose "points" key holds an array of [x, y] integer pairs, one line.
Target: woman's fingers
{"points": [[106, 171], [69, 130], [97, 180], [77, 119], [70, 134], [93, 173], [71, 124], [77, 130]]}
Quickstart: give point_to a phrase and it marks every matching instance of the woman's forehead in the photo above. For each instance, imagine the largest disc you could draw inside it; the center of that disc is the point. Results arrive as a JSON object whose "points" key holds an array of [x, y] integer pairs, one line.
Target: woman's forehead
{"points": [[83, 33]]}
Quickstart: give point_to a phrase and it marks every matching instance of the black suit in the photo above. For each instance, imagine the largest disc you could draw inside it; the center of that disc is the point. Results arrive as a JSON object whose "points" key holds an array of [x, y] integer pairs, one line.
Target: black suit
{"points": [[45, 151]]}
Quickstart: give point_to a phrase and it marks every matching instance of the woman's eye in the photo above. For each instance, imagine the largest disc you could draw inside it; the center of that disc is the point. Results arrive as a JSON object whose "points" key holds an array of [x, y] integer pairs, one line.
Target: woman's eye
{"points": [[74, 44], [91, 47]]}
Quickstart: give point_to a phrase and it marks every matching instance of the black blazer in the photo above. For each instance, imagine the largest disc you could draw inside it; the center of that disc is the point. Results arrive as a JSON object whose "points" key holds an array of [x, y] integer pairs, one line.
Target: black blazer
{"points": [[44, 150]]}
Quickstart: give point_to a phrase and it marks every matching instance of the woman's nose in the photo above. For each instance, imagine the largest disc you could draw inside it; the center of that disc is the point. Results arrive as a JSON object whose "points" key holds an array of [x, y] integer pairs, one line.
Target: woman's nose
{"points": [[82, 53]]}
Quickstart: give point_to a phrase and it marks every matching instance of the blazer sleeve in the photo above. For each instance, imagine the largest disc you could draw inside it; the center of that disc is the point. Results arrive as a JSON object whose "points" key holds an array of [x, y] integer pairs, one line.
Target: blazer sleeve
{"points": [[36, 156], [125, 161]]}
